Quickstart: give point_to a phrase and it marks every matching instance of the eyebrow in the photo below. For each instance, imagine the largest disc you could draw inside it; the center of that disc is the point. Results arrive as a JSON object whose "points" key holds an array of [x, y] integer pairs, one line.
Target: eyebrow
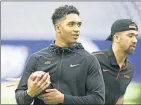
{"points": [[132, 34], [75, 22]]}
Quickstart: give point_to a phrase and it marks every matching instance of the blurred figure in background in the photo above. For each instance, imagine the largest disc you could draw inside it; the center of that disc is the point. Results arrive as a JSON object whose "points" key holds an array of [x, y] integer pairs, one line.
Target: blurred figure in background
{"points": [[75, 74], [14, 82], [117, 70]]}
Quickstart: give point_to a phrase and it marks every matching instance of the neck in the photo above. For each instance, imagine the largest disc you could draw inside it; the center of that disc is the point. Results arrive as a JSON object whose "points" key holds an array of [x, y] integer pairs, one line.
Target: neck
{"points": [[61, 43], [119, 55]]}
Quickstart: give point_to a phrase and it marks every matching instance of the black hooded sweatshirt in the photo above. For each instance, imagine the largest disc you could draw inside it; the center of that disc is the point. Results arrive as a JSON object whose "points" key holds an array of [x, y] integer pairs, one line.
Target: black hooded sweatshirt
{"points": [[73, 71]]}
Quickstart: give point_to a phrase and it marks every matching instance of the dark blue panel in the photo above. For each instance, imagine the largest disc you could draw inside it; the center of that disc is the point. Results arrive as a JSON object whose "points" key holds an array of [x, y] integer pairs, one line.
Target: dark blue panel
{"points": [[35, 45]]}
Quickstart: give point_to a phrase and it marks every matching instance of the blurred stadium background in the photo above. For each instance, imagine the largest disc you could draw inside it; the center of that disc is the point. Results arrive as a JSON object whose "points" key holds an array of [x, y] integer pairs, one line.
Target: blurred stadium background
{"points": [[26, 27]]}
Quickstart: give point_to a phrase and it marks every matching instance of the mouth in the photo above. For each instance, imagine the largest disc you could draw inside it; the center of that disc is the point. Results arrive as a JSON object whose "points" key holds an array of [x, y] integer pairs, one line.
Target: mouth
{"points": [[75, 36], [133, 46]]}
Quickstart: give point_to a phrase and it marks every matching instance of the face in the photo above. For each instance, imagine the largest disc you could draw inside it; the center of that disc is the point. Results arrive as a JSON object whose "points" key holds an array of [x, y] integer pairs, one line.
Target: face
{"points": [[69, 29], [128, 41]]}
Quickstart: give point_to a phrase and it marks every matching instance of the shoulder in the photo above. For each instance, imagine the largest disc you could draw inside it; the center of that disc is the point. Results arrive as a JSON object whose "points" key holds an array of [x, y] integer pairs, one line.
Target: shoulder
{"points": [[39, 53], [100, 54]]}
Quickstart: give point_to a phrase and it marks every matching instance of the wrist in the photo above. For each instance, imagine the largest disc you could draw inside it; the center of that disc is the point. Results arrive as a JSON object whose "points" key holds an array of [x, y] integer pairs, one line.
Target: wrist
{"points": [[62, 98], [30, 93]]}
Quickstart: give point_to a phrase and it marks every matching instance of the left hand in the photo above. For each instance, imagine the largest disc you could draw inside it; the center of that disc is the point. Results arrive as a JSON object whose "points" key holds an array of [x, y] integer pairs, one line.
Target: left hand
{"points": [[52, 96]]}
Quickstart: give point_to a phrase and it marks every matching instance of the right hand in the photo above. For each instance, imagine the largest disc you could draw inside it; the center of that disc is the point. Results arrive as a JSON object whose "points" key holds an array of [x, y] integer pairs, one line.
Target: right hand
{"points": [[37, 82]]}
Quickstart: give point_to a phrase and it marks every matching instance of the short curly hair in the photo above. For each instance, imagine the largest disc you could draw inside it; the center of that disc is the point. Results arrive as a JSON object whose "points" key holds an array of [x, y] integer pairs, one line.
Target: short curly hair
{"points": [[62, 11]]}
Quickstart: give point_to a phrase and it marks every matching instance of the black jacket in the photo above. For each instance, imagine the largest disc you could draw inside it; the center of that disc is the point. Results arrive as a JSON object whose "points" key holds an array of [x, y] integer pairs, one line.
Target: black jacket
{"points": [[116, 79], [73, 71]]}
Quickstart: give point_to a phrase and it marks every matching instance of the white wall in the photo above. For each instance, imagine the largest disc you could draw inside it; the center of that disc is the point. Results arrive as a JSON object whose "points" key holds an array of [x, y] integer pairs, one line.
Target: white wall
{"points": [[32, 20]]}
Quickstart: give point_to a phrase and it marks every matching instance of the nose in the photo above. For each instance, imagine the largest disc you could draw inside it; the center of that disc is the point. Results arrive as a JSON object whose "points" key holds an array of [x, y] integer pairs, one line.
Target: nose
{"points": [[76, 29], [135, 39]]}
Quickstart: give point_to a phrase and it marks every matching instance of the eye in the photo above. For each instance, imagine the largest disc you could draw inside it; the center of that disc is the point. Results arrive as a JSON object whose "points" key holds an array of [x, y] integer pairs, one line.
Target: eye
{"points": [[71, 24], [79, 24], [131, 35], [136, 36]]}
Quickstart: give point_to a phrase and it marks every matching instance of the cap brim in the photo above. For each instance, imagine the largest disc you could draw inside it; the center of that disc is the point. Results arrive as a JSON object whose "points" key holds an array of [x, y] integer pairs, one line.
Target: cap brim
{"points": [[109, 38]]}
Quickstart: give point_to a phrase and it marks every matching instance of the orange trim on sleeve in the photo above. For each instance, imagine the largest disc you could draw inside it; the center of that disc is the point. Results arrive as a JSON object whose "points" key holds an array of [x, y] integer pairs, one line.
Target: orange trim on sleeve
{"points": [[126, 76]]}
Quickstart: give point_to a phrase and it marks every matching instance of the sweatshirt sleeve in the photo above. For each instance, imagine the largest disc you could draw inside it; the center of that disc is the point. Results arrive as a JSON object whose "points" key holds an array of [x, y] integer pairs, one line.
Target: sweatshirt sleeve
{"points": [[23, 98], [94, 85], [21, 95]]}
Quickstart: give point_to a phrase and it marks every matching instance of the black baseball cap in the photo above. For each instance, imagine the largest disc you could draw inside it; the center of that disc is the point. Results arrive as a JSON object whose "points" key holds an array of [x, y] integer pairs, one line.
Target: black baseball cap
{"points": [[122, 25]]}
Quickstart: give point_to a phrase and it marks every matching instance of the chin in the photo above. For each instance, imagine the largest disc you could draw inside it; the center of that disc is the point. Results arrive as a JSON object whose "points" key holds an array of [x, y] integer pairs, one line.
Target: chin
{"points": [[74, 41], [71, 43], [130, 52]]}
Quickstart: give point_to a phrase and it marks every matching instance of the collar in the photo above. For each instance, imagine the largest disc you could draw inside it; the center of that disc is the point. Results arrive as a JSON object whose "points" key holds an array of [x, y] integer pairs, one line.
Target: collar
{"points": [[112, 57], [54, 49]]}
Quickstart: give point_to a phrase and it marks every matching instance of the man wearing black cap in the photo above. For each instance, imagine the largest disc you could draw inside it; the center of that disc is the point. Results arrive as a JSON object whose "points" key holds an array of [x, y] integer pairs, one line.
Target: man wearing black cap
{"points": [[117, 70]]}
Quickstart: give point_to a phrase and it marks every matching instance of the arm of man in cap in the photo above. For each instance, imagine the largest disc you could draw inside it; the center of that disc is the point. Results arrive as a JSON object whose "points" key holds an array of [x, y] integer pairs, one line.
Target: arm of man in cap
{"points": [[120, 100]]}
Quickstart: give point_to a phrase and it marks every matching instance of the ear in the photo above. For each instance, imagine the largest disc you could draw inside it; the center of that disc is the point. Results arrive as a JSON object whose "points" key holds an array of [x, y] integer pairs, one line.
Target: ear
{"points": [[116, 37], [57, 28]]}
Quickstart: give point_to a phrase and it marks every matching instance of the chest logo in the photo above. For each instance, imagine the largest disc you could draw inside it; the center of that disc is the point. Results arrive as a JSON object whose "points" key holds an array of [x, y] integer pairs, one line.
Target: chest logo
{"points": [[47, 62], [74, 65]]}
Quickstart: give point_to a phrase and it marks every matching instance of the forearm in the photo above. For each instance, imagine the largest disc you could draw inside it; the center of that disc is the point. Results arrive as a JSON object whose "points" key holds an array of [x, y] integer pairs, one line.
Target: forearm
{"points": [[23, 98], [120, 100], [89, 99]]}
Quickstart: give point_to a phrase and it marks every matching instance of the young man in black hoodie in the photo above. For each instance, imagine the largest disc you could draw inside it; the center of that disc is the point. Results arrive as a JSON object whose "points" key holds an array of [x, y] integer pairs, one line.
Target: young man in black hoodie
{"points": [[117, 70], [75, 74]]}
